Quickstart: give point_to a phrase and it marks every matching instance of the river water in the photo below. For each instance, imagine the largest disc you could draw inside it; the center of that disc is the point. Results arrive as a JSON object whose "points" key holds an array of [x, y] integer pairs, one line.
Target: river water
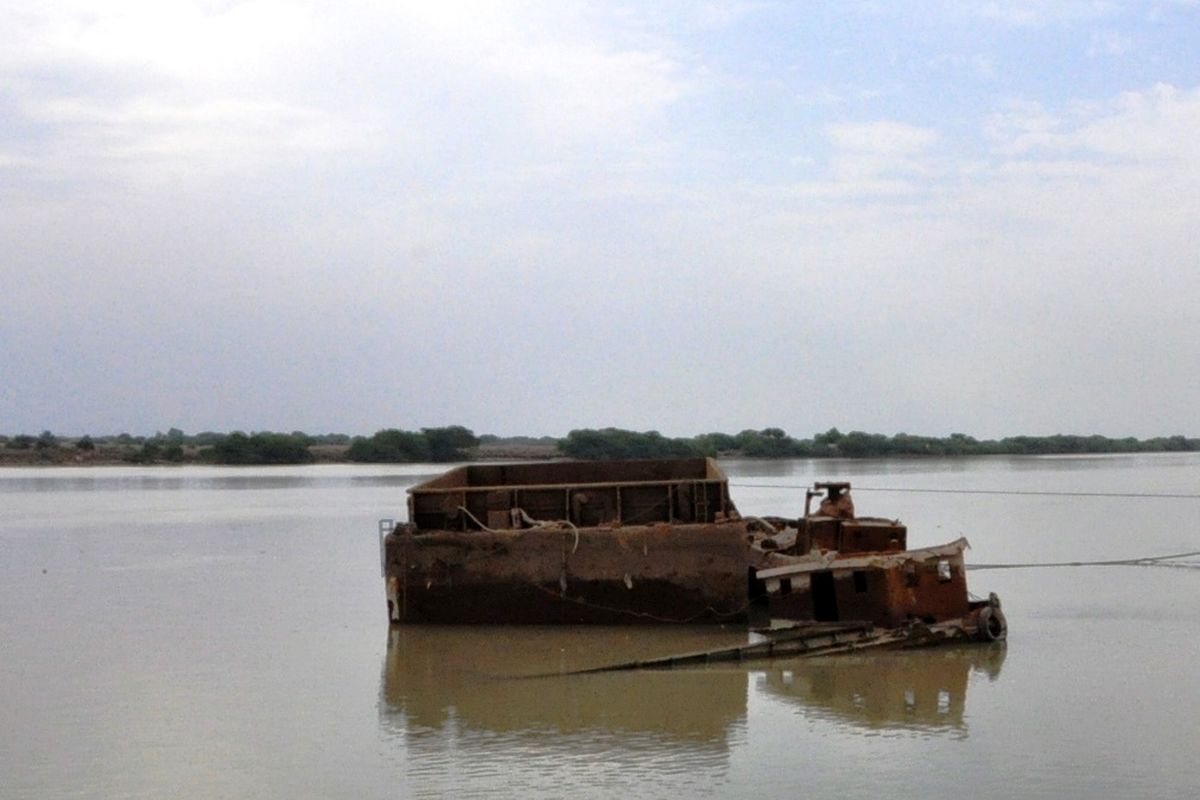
{"points": [[214, 632]]}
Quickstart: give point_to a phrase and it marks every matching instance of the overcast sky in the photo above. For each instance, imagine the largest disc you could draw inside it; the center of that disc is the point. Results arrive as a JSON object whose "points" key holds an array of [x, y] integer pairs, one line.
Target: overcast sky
{"points": [[525, 217]]}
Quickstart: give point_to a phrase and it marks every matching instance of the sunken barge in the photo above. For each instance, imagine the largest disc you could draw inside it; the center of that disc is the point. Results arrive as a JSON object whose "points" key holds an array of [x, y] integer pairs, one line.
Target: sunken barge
{"points": [[660, 541]]}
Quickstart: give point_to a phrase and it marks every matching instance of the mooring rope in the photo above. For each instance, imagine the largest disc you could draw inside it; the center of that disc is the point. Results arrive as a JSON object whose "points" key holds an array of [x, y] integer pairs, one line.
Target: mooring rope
{"points": [[1018, 492], [533, 523]]}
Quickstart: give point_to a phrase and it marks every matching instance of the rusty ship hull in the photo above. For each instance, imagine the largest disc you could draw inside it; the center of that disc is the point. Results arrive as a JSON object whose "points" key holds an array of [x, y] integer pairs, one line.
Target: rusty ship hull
{"points": [[570, 542], [620, 542], [647, 573]]}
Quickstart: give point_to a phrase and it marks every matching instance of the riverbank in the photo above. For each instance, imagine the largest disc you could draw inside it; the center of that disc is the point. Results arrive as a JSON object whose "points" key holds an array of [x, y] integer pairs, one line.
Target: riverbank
{"points": [[108, 455], [456, 443]]}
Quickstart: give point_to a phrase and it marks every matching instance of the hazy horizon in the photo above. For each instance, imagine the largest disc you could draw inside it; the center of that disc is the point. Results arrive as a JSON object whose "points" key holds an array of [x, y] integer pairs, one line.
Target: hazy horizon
{"points": [[799, 435]]}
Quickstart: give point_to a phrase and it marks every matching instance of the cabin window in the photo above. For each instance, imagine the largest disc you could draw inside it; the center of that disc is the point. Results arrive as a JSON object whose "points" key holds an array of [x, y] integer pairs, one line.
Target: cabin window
{"points": [[860, 581], [944, 570], [910, 575], [785, 585]]}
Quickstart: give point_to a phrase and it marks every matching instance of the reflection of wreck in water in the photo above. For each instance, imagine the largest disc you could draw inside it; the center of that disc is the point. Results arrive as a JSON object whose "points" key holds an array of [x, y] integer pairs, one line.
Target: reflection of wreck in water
{"points": [[917, 690], [471, 680], [661, 541], [465, 684]]}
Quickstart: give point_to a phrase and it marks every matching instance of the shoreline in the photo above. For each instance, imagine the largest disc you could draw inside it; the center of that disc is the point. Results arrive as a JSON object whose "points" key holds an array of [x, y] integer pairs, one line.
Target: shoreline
{"points": [[106, 455], [41, 461], [458, 444]]}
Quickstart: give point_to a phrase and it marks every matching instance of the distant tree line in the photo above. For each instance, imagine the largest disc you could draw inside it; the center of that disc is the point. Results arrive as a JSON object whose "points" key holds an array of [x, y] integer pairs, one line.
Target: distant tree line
{"points": [[775, 443], [456, 443], [174, 447]]}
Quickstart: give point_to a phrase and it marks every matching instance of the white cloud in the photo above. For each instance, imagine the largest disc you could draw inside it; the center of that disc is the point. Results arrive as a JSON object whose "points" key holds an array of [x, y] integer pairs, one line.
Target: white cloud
{"points": [[1019, 127], [1154, 124], [584, 90], [187, 40], [882, 137], [152, 139], [245, 86], [724, 13], [1041, 13], [1160, 123], [865, 153]]}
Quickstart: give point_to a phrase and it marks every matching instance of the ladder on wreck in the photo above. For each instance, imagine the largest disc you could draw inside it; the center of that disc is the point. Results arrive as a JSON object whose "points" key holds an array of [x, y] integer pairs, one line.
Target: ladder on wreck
{"points": [[804, 640]]}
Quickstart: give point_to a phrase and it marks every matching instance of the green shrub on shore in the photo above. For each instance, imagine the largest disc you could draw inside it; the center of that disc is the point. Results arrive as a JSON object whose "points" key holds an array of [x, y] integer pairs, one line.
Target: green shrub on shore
{"points": [[393, 445], [449, 444], [621, 444], [260, 448], [390, 446], [147, 454]]}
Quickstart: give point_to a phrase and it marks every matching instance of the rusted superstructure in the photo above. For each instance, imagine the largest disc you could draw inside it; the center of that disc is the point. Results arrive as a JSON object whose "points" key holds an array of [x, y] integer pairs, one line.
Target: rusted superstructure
{"points": [[886, 588], [657, 541]]}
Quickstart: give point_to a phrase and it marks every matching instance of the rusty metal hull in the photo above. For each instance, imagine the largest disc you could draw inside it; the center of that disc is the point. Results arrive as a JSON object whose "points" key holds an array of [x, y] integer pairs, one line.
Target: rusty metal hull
{"points": [[648, 541], [653, 573]]}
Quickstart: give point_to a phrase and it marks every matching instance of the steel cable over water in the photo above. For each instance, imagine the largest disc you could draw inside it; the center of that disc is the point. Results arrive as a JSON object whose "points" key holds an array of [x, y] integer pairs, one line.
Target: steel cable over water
{"points": [[1147, 561], [1018, 492], [1171, 560]]}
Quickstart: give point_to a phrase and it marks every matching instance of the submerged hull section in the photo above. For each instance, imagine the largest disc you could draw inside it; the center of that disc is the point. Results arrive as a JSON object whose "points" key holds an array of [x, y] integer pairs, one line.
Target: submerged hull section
{"points": [[694, 573]]}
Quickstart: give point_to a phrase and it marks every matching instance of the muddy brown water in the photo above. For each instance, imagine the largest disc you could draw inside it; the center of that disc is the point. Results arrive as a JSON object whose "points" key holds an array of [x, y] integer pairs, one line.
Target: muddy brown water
{"points": [[203, 632]]}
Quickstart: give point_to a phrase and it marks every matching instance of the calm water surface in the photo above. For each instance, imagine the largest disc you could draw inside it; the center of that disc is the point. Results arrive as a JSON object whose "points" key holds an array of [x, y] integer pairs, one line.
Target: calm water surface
{"points": [[207, 632]]}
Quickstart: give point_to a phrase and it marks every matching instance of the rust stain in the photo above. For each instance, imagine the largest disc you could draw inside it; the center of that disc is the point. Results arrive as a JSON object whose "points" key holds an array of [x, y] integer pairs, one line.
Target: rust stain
{"points": [[660, 541]]}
